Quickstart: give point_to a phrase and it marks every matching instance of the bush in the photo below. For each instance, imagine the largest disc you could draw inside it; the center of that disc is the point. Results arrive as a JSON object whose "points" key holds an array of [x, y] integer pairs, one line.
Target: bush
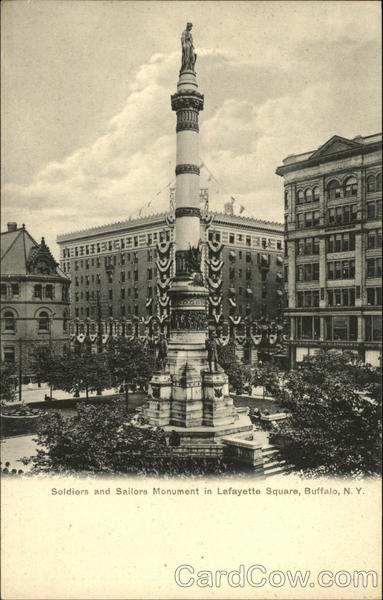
{"points": [[335, 423]]}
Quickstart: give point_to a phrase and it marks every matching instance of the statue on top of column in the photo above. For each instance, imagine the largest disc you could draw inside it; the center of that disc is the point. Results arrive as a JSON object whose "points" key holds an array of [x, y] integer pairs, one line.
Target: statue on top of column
{"points": [[189, 57]]}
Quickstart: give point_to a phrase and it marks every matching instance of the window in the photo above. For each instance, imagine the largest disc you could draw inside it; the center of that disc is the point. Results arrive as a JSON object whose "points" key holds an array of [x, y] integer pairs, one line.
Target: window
{"points": [[300, 197], [373, 328], [379, 182], [374, 267], [316, 195], [9, 354], [307, 328], [43, 321], [9, 321], [350, 187], [65, 321], [374, 296], [231, 238], [308, 195], [150, 273], [286, 199], [300, 220], [279, 245], [308, 219], [15, 289], [316, 245], [49, 291], [334, 190], [248, 240], [299, 273], [301, 245], [3, 289], [122, 293], [371, 186]]}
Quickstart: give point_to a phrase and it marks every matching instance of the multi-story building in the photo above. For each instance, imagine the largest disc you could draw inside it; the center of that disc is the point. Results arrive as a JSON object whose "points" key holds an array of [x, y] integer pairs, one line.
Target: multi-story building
{"points": [[333, 239], [34, 298], [123, 270]]}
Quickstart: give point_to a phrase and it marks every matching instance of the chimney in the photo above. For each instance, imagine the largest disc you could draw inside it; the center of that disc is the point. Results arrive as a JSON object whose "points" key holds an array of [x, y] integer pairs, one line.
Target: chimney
{"points": [[12, 226]]}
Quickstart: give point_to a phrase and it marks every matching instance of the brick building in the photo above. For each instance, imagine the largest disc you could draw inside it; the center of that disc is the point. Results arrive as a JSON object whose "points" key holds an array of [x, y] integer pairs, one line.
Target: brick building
{"points": [[123, 270], [34, 298], [333, 238]]}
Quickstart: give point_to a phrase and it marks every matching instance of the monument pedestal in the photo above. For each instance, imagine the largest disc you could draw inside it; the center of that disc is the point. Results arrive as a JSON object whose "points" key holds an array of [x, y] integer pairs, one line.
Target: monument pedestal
{"points": [[218, 407], [157, 410]]}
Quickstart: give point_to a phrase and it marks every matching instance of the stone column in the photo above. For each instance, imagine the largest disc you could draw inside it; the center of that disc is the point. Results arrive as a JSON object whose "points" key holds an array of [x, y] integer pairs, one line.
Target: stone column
{"points": [[187, 102]]}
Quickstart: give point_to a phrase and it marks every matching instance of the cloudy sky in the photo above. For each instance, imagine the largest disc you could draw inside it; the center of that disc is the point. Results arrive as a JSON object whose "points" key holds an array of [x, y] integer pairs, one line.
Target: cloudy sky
{"points": [[88, 136]]}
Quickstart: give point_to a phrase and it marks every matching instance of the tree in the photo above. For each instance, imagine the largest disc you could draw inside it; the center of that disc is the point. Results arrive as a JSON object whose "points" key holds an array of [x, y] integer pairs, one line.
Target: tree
{"points": [[48, 366], [106, 439], [84, 372], [335, 423], [7, 381], [129, 362], [268, 377], [239, 374]]}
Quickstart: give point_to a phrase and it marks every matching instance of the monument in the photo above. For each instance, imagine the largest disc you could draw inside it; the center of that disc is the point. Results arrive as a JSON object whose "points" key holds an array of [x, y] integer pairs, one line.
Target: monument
{"points": [[190, 392]]}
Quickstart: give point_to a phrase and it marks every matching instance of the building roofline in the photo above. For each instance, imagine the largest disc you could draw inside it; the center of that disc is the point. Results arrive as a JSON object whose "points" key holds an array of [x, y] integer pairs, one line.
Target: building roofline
{"points": [[314, 159], [140, 222]]}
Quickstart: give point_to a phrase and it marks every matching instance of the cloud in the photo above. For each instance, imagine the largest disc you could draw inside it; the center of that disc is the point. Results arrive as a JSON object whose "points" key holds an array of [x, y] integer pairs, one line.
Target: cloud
{"points": [[244, 136]]}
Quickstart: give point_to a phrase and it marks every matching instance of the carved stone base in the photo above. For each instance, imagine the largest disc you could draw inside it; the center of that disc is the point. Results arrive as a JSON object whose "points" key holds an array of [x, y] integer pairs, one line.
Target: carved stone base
{"points": [[157, 410], [218, 407], [187, 408]]}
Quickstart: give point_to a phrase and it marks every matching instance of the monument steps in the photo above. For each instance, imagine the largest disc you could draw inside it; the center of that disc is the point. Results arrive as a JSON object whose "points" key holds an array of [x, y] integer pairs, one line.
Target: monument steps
{"points": [[273, 463]]}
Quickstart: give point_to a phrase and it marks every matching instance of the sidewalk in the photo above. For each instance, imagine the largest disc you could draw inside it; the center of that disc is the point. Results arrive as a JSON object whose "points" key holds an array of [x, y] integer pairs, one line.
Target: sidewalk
{"points": [[31, 393]]}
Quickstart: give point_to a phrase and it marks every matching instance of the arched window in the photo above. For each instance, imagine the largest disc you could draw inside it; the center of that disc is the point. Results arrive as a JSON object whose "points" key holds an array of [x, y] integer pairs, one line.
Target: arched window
{"points": [[334, 190], [371, 183], [9, 321], [43, 321], [350, 187], [300, 197], [379, 182], [316, 194], [308, 195]]}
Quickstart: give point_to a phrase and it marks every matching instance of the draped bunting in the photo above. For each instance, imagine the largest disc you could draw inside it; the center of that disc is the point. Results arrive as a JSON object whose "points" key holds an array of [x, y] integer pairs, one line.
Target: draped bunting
{"points": [[163, 301], [215, 267], [215, 247], [256, 339], [217, 317], [233, 302], [81, 338], [214, 285], [273, 338], [148, 302], [235, 320], [164, 284], [240, 339], [93, 337], [105, 337], [170, 220], [215, 300], [163, 247], [163, 266]]}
